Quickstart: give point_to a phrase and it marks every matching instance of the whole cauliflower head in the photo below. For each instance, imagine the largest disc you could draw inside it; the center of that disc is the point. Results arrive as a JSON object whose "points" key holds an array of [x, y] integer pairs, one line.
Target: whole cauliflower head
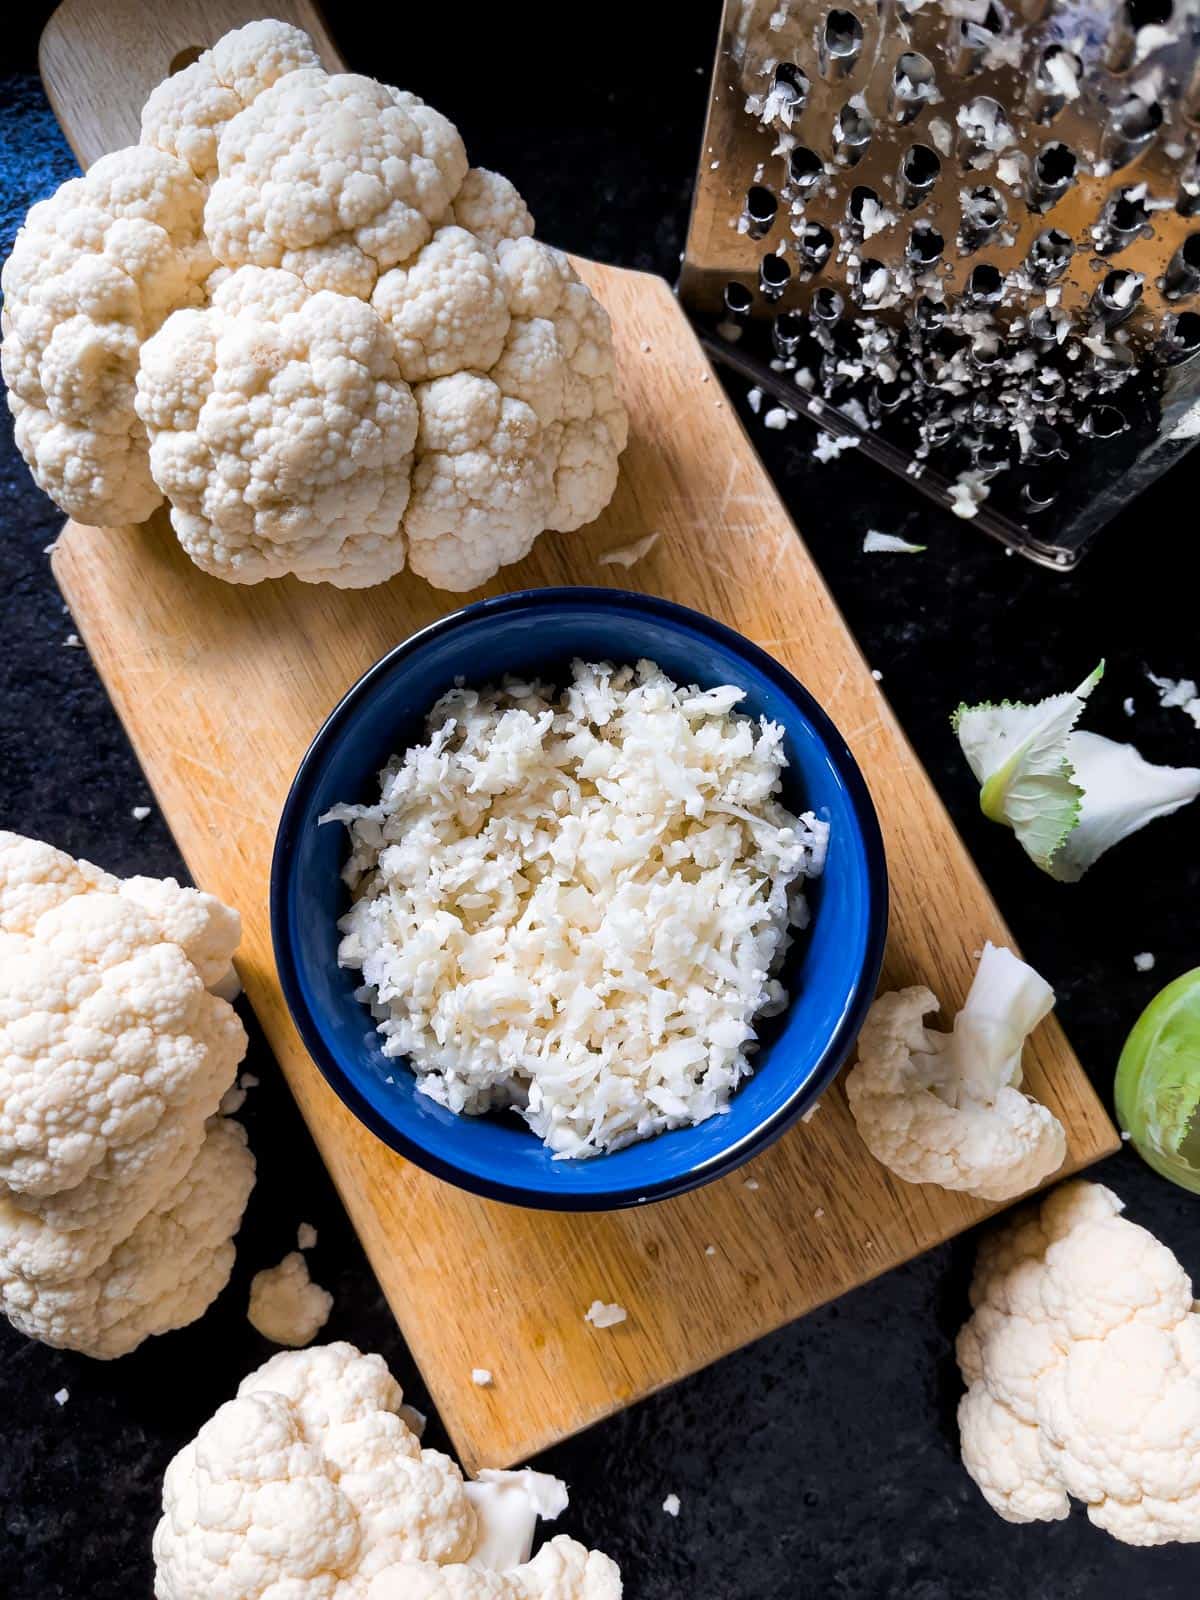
{"points": [[234, 318], [948, 1108], [310, 1486], [114, 1056], [187, 113], [334, 177], [1082, 1361], [282, 432], [94, 272]]}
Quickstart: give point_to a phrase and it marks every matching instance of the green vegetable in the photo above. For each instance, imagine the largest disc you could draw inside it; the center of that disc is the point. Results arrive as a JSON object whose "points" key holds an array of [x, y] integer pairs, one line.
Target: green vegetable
{"points": [[1158, 1082], [1067, 795]]}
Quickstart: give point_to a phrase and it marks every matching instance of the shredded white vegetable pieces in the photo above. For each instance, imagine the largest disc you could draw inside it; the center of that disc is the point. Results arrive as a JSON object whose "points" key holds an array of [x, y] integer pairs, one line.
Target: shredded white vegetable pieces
{"points": [[575, 905]]}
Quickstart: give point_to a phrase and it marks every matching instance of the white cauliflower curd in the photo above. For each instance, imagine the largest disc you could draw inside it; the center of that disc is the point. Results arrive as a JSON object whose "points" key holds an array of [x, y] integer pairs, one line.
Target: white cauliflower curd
{"points": [[948, 1108], [310, 1486], [286, 1306], [1082, 1361], [121, 1187], [298, 314], [575, 905]]}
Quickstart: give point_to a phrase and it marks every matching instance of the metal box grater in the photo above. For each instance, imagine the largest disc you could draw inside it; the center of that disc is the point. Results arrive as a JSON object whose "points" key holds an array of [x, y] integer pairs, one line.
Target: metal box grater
{"points": [[964, 235]]}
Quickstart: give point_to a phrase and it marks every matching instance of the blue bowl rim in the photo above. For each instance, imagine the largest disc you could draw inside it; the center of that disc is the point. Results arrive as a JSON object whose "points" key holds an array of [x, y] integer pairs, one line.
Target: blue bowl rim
{"points": [[832, 1056]]}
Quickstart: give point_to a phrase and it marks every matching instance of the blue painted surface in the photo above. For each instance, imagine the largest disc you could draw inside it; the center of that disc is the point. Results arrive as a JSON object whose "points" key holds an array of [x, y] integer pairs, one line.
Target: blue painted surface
{"points": [[831, 969]]}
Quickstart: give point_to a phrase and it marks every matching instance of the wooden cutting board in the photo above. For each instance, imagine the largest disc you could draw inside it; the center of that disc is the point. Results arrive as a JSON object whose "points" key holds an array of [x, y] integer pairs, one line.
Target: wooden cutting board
{"points": [[221, 689]]}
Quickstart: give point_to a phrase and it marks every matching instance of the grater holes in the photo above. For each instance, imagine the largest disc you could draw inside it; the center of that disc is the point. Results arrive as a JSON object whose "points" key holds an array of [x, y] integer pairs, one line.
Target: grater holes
{"points": [[827, 306], [1049, 256], [983, 131], [919, 171], [1126, 216], [790, 88], [864, 212], [1104, 422], [815, 244], [874, 280], [1118, 293], [984, 286], [738, 299], [852, 130], [1132, 125], [839, 43], [1055, 80], [1054, 169], [924, 248], [1183, 270], [1123, 46], [760, 210], [1187, 200], [974, 39], [928, 315], [805, 168], [787, 331], [914, 85], [1181, 335], [774, 275], [984, 211]]}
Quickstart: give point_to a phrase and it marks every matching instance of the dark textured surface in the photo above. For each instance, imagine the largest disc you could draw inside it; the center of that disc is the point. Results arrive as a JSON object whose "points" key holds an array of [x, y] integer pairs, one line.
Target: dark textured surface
{"points": [[823, 1460]]}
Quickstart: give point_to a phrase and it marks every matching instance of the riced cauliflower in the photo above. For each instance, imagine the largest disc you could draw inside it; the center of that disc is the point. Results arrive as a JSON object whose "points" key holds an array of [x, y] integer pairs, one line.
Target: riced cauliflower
{"points": [[1082, 1361], [250, 312], [310, 1486], [120, 1185], [576, 905]]}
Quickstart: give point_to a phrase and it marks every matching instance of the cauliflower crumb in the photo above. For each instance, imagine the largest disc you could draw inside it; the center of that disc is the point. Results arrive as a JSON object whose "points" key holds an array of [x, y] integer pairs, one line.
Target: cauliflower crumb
{"points": [[628, 555], [754, 399], [285, 1305], [876, 543], [818, 1213], [1178, 694], [1127, 705], [140, 813], [811, 1112], [752, 1184], [232, 1100], [481, 1377], [777, 418], [710, 1249], [603, 1315], [61, 1396], [620, 811], [671, 1505], [72, 642], [306, 1236], [1144, 961], [829, 446], [877, 675]]}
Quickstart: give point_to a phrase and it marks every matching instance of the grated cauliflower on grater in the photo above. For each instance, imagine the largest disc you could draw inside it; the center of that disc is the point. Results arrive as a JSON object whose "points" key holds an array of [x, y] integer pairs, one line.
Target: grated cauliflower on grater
{"points": [[574, 905]]}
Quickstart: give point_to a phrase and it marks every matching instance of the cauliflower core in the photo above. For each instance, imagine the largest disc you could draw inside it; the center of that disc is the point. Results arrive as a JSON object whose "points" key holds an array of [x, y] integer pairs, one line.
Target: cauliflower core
{"points": [[231, 315], [286, 1306], [948, 1108], [120, 1186], [574, 906], [1082, 1361], [310, 1484]]}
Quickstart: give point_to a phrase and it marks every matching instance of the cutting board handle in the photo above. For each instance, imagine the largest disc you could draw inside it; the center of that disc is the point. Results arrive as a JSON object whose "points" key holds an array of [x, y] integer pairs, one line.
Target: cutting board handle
{"points": [[99, 59]]}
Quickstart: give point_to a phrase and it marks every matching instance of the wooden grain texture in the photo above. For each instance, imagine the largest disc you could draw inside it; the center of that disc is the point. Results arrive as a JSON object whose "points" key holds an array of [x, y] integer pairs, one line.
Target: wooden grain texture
{"points": [[221, 690]]}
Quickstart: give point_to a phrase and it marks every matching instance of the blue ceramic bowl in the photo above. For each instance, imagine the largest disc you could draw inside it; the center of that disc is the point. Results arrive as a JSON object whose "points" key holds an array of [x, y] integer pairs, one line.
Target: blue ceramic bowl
{"points": [[831, 969]]}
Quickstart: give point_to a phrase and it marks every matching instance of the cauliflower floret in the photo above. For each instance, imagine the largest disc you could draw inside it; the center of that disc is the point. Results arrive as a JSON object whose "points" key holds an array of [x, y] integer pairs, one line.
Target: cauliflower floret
{"points": [[587, 439], [335, 178], [282, 433], [1082, 1361], [286, 1306], [165, 1274], [93, 273], [186, 113], [447, 308], [113, 1057], [948, 1108], [310, 1486], [482, 486], [490, 207]]}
